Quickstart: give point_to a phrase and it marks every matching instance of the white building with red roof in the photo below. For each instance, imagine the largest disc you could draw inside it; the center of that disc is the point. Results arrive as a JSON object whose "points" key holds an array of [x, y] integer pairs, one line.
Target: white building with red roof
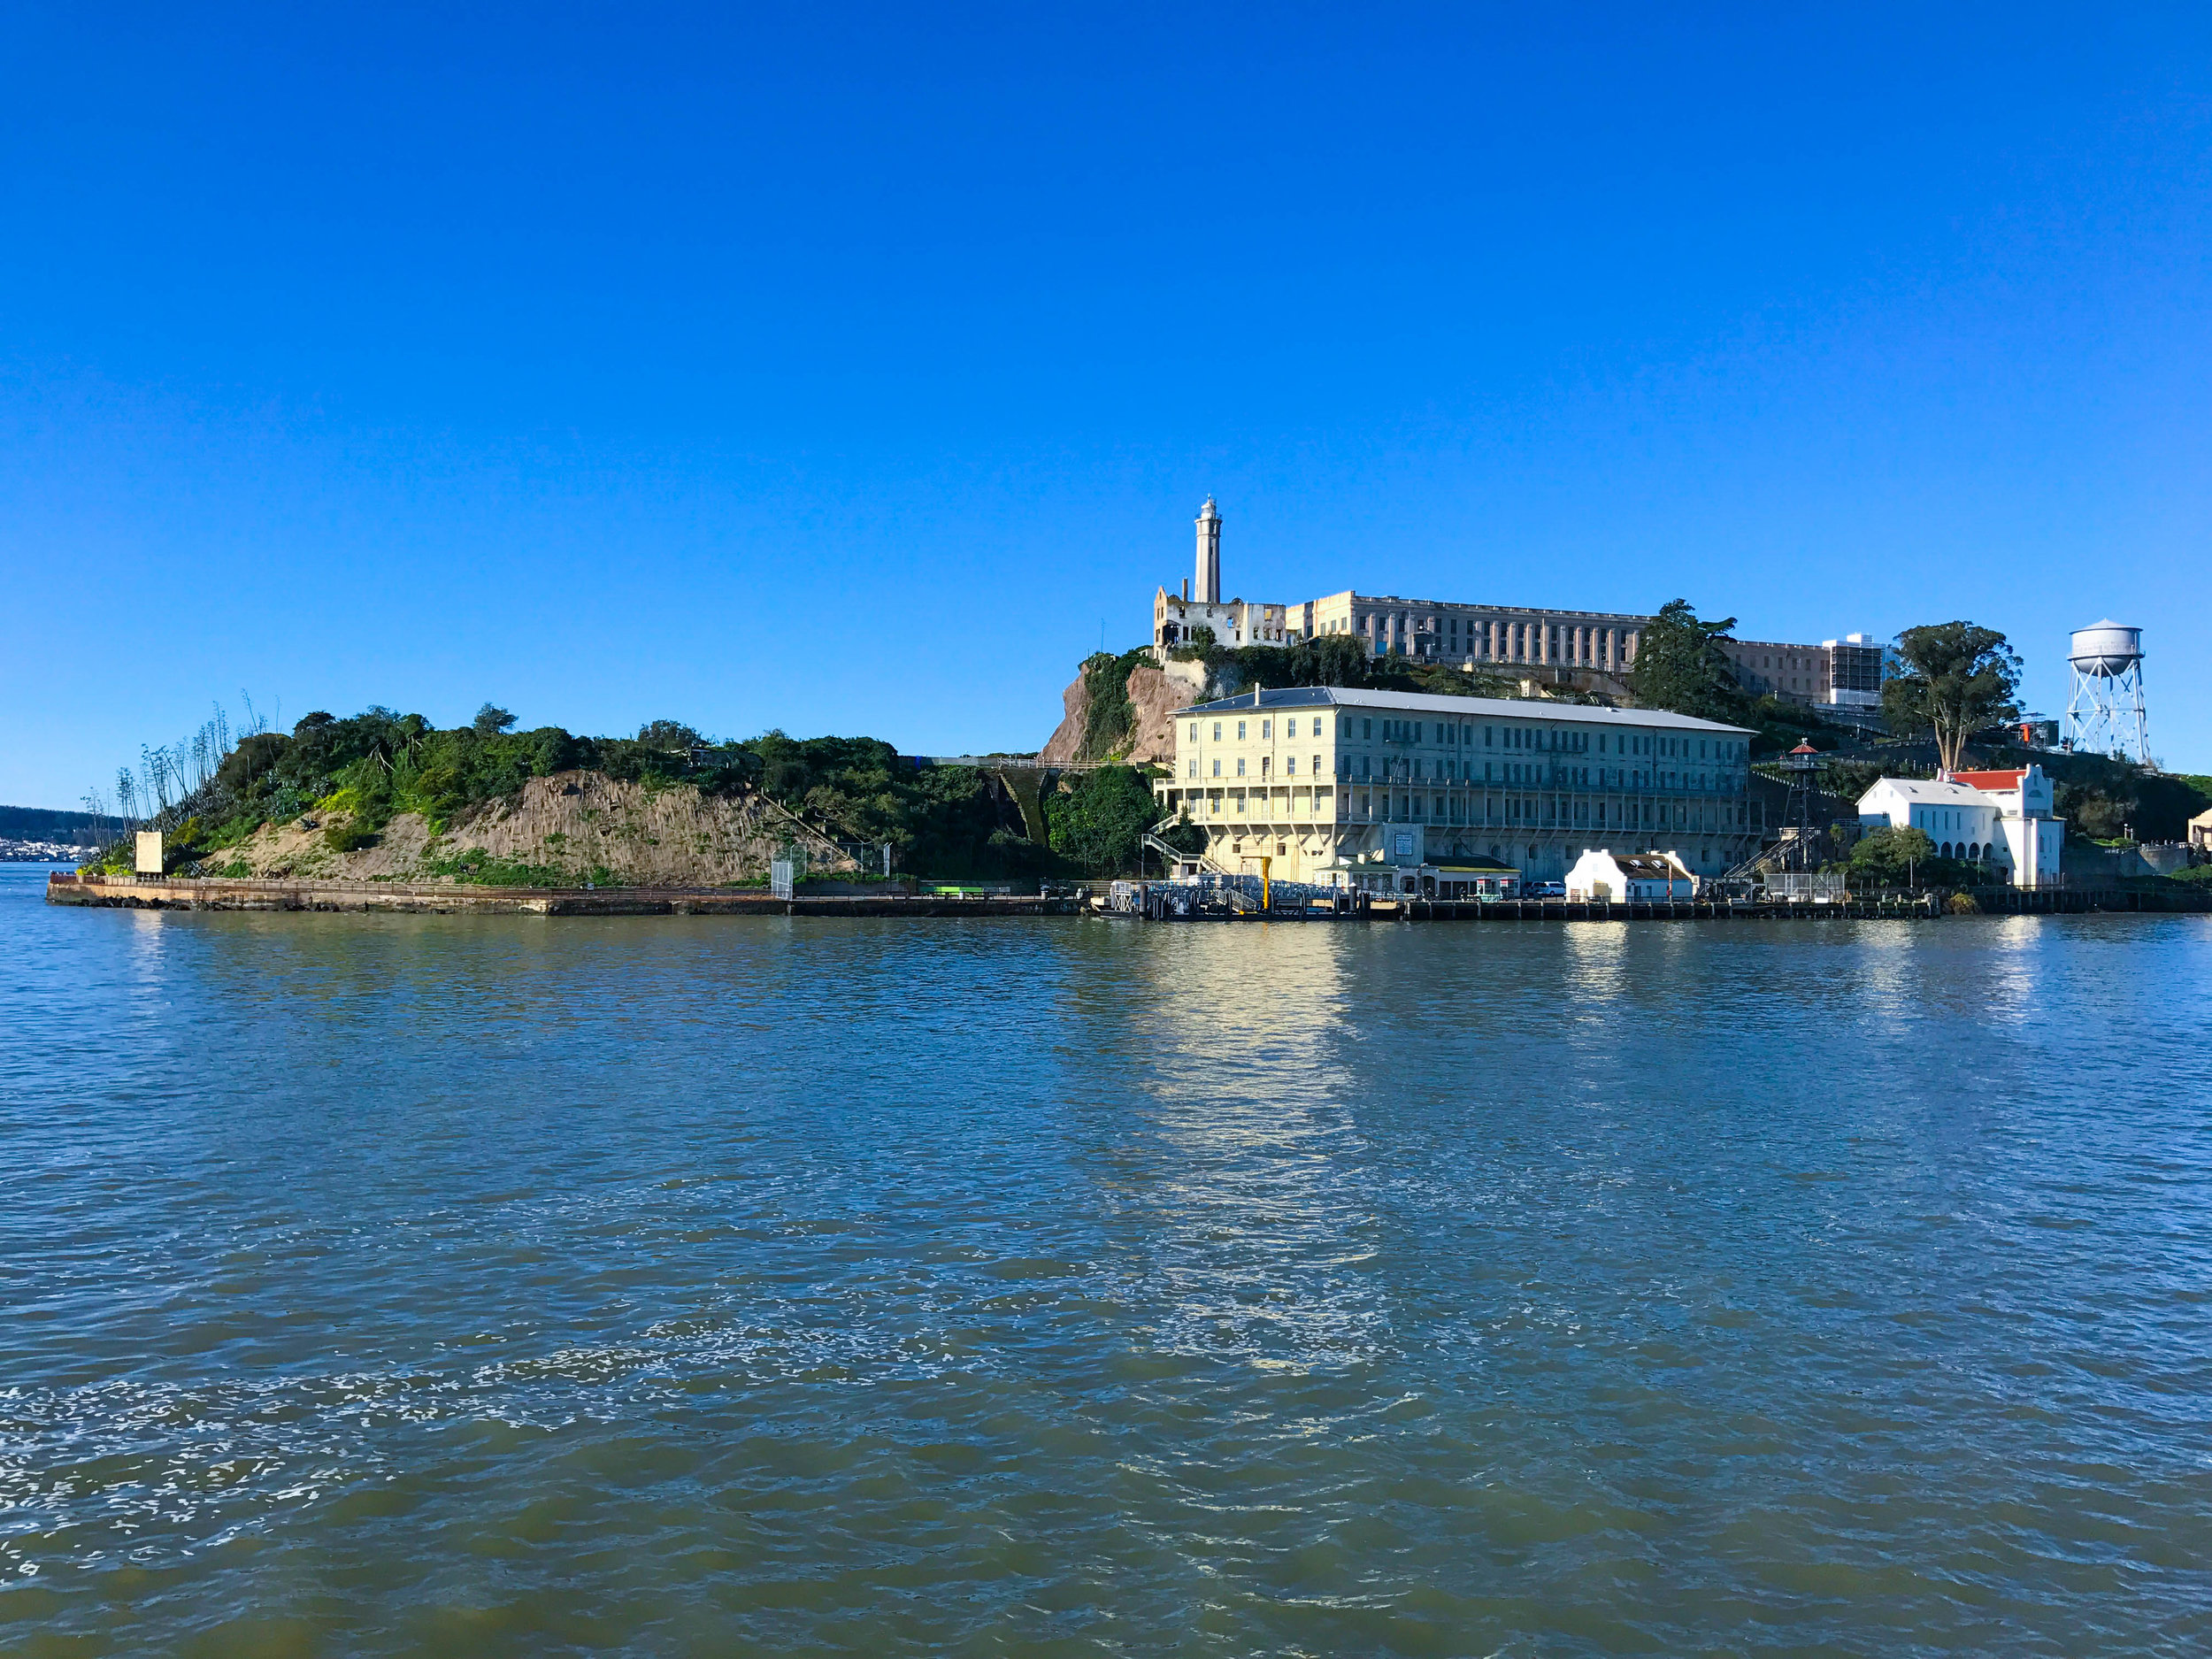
{"points": [[2001, 817]]}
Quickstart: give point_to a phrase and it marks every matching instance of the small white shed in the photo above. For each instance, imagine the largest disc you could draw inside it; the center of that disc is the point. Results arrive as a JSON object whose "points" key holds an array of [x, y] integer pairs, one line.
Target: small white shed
{"points": [[1621, 877]]}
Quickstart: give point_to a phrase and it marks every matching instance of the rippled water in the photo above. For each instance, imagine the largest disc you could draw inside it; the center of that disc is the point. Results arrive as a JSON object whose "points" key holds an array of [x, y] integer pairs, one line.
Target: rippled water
{"points": [[504, 1285]]}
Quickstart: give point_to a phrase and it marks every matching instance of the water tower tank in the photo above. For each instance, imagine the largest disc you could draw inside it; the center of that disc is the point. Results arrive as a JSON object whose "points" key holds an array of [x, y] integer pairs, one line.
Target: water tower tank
{"points": [[2107, 649]]}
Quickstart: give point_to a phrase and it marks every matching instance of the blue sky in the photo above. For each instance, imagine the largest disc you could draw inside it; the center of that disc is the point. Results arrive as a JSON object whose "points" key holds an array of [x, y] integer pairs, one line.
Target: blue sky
{"points": [[854, 371]]}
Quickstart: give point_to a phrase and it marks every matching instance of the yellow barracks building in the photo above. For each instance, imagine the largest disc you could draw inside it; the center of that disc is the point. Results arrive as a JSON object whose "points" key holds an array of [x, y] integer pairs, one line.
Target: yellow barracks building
{"points": [[1319, 779]]}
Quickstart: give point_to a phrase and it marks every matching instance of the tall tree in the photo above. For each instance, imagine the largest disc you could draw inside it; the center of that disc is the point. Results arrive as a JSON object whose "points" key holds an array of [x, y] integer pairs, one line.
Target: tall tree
{"points": [[1681, 666], [1957, 679], [1100, 822]]}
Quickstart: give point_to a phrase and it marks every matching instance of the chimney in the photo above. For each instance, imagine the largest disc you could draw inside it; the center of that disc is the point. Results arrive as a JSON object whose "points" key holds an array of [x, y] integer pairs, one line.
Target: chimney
{"points": [[1187, 590]]}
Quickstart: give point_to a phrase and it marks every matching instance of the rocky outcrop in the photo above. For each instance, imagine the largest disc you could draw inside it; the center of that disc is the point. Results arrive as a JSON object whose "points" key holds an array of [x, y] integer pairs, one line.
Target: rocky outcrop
{"points": [[1155, 696], [1158, 696], [580, 824], [1066, 742]]}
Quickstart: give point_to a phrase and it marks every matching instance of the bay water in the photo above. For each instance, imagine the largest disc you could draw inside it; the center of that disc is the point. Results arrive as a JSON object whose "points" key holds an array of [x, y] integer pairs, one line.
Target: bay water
{"points": [[489, 1285]]}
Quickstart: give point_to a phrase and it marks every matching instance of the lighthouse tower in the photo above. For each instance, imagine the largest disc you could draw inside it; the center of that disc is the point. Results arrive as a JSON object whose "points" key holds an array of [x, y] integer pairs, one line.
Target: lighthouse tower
{"points": [[1208, 555]]}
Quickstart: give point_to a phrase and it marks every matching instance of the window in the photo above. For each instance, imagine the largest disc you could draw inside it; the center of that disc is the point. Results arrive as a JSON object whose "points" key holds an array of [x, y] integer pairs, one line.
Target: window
{"points": [[1217, 768], [1290, 766], [1217, 731], [1239, 765], [1194, 731], [1192, 773], [1317, 764], [1367, 728], [1239, 731], [1265, 724]]}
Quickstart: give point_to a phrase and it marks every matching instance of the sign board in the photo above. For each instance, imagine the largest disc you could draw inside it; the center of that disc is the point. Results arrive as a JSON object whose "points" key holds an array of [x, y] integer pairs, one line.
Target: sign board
{"points": [[1403, 845], [149, 852]]}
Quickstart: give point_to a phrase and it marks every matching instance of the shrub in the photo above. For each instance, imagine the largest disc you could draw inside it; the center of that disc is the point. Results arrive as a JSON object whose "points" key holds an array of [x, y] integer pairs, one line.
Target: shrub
{"points": [[1101, 822]]}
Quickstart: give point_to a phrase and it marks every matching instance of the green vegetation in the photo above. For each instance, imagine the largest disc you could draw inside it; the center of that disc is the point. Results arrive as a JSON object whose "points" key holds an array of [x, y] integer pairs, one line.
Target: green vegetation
{"points": [[1109, 718], [1339, 659], [1958, 678], [939, 820], [1099, 822], [1681, 666], [2103, 799], [350, 778], [1907, 857]]}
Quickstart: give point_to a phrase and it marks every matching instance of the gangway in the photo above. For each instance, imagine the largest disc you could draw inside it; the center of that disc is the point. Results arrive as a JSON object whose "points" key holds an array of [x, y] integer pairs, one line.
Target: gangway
{"points": [[1171, 855]]}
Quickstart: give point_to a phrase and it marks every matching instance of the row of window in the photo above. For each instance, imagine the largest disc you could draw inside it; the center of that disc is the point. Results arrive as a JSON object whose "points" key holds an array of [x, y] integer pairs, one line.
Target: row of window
{"points": [[1459, 734], [1529, 810], [1537, 774]]}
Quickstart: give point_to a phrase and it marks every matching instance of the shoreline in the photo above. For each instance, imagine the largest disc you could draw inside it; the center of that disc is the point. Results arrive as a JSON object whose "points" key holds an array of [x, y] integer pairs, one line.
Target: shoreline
{"points": [[216, 893]]}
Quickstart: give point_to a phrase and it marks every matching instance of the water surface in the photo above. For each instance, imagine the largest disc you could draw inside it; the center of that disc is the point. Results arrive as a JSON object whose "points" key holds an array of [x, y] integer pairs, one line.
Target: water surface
{"points": [[484, 1285]]}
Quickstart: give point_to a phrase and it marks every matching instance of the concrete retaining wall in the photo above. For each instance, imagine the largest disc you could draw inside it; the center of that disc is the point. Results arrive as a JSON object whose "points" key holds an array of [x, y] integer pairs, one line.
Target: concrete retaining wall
{"points": [[213, 893]]}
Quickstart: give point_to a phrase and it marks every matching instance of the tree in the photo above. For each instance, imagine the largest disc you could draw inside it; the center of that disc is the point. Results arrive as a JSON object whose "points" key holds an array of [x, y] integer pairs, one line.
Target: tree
{"points": [[1957, 679], [673, 736], [1885, 857], [1681, 666], [1101, 822], [491, 720]]}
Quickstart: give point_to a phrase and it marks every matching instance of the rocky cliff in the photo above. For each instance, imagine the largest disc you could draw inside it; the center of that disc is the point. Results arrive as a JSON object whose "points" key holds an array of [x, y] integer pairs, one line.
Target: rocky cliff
{"points": [[571, 826], [1155, 696]]}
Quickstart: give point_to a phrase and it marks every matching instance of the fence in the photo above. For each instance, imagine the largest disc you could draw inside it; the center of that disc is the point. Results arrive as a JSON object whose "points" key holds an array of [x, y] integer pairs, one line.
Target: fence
{"points": [[1807, 888]]}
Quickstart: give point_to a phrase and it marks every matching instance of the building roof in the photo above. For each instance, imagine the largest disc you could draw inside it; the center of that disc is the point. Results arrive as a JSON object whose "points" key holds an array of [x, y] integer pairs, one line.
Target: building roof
{"points": [[1648, 864], [1466, 708], [1996, 781], [1930, 791]]}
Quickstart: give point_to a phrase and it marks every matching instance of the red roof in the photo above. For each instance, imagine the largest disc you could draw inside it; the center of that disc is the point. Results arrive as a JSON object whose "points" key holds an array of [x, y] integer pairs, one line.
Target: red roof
{"points": [[1996, 781]]}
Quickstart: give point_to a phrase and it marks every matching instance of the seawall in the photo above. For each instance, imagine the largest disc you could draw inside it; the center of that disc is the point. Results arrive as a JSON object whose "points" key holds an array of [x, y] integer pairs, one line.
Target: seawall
{"points": [[439, 898]]}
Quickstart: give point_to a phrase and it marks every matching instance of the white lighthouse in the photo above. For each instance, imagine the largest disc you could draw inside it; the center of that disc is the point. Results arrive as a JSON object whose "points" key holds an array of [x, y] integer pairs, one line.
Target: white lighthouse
{"points": [[1208, 555]]}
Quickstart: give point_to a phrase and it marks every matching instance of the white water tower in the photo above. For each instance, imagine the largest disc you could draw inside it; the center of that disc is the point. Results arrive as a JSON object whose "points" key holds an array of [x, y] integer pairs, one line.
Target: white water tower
{"points": [[2104, 714]]}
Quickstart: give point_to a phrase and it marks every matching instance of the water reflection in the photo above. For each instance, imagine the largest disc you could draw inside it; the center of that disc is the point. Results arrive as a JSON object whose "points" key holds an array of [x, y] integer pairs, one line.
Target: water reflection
{"points": [[1259, 1227]]}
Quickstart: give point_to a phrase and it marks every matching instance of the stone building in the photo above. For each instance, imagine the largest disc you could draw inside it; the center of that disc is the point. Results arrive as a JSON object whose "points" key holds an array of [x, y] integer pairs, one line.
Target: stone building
{"points": [[1319, 779], [1446, 630], [1838, 674]]}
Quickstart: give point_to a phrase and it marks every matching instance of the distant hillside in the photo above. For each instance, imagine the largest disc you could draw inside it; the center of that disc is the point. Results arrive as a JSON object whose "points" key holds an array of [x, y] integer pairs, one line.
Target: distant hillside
{"points": [[43, 824]]}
